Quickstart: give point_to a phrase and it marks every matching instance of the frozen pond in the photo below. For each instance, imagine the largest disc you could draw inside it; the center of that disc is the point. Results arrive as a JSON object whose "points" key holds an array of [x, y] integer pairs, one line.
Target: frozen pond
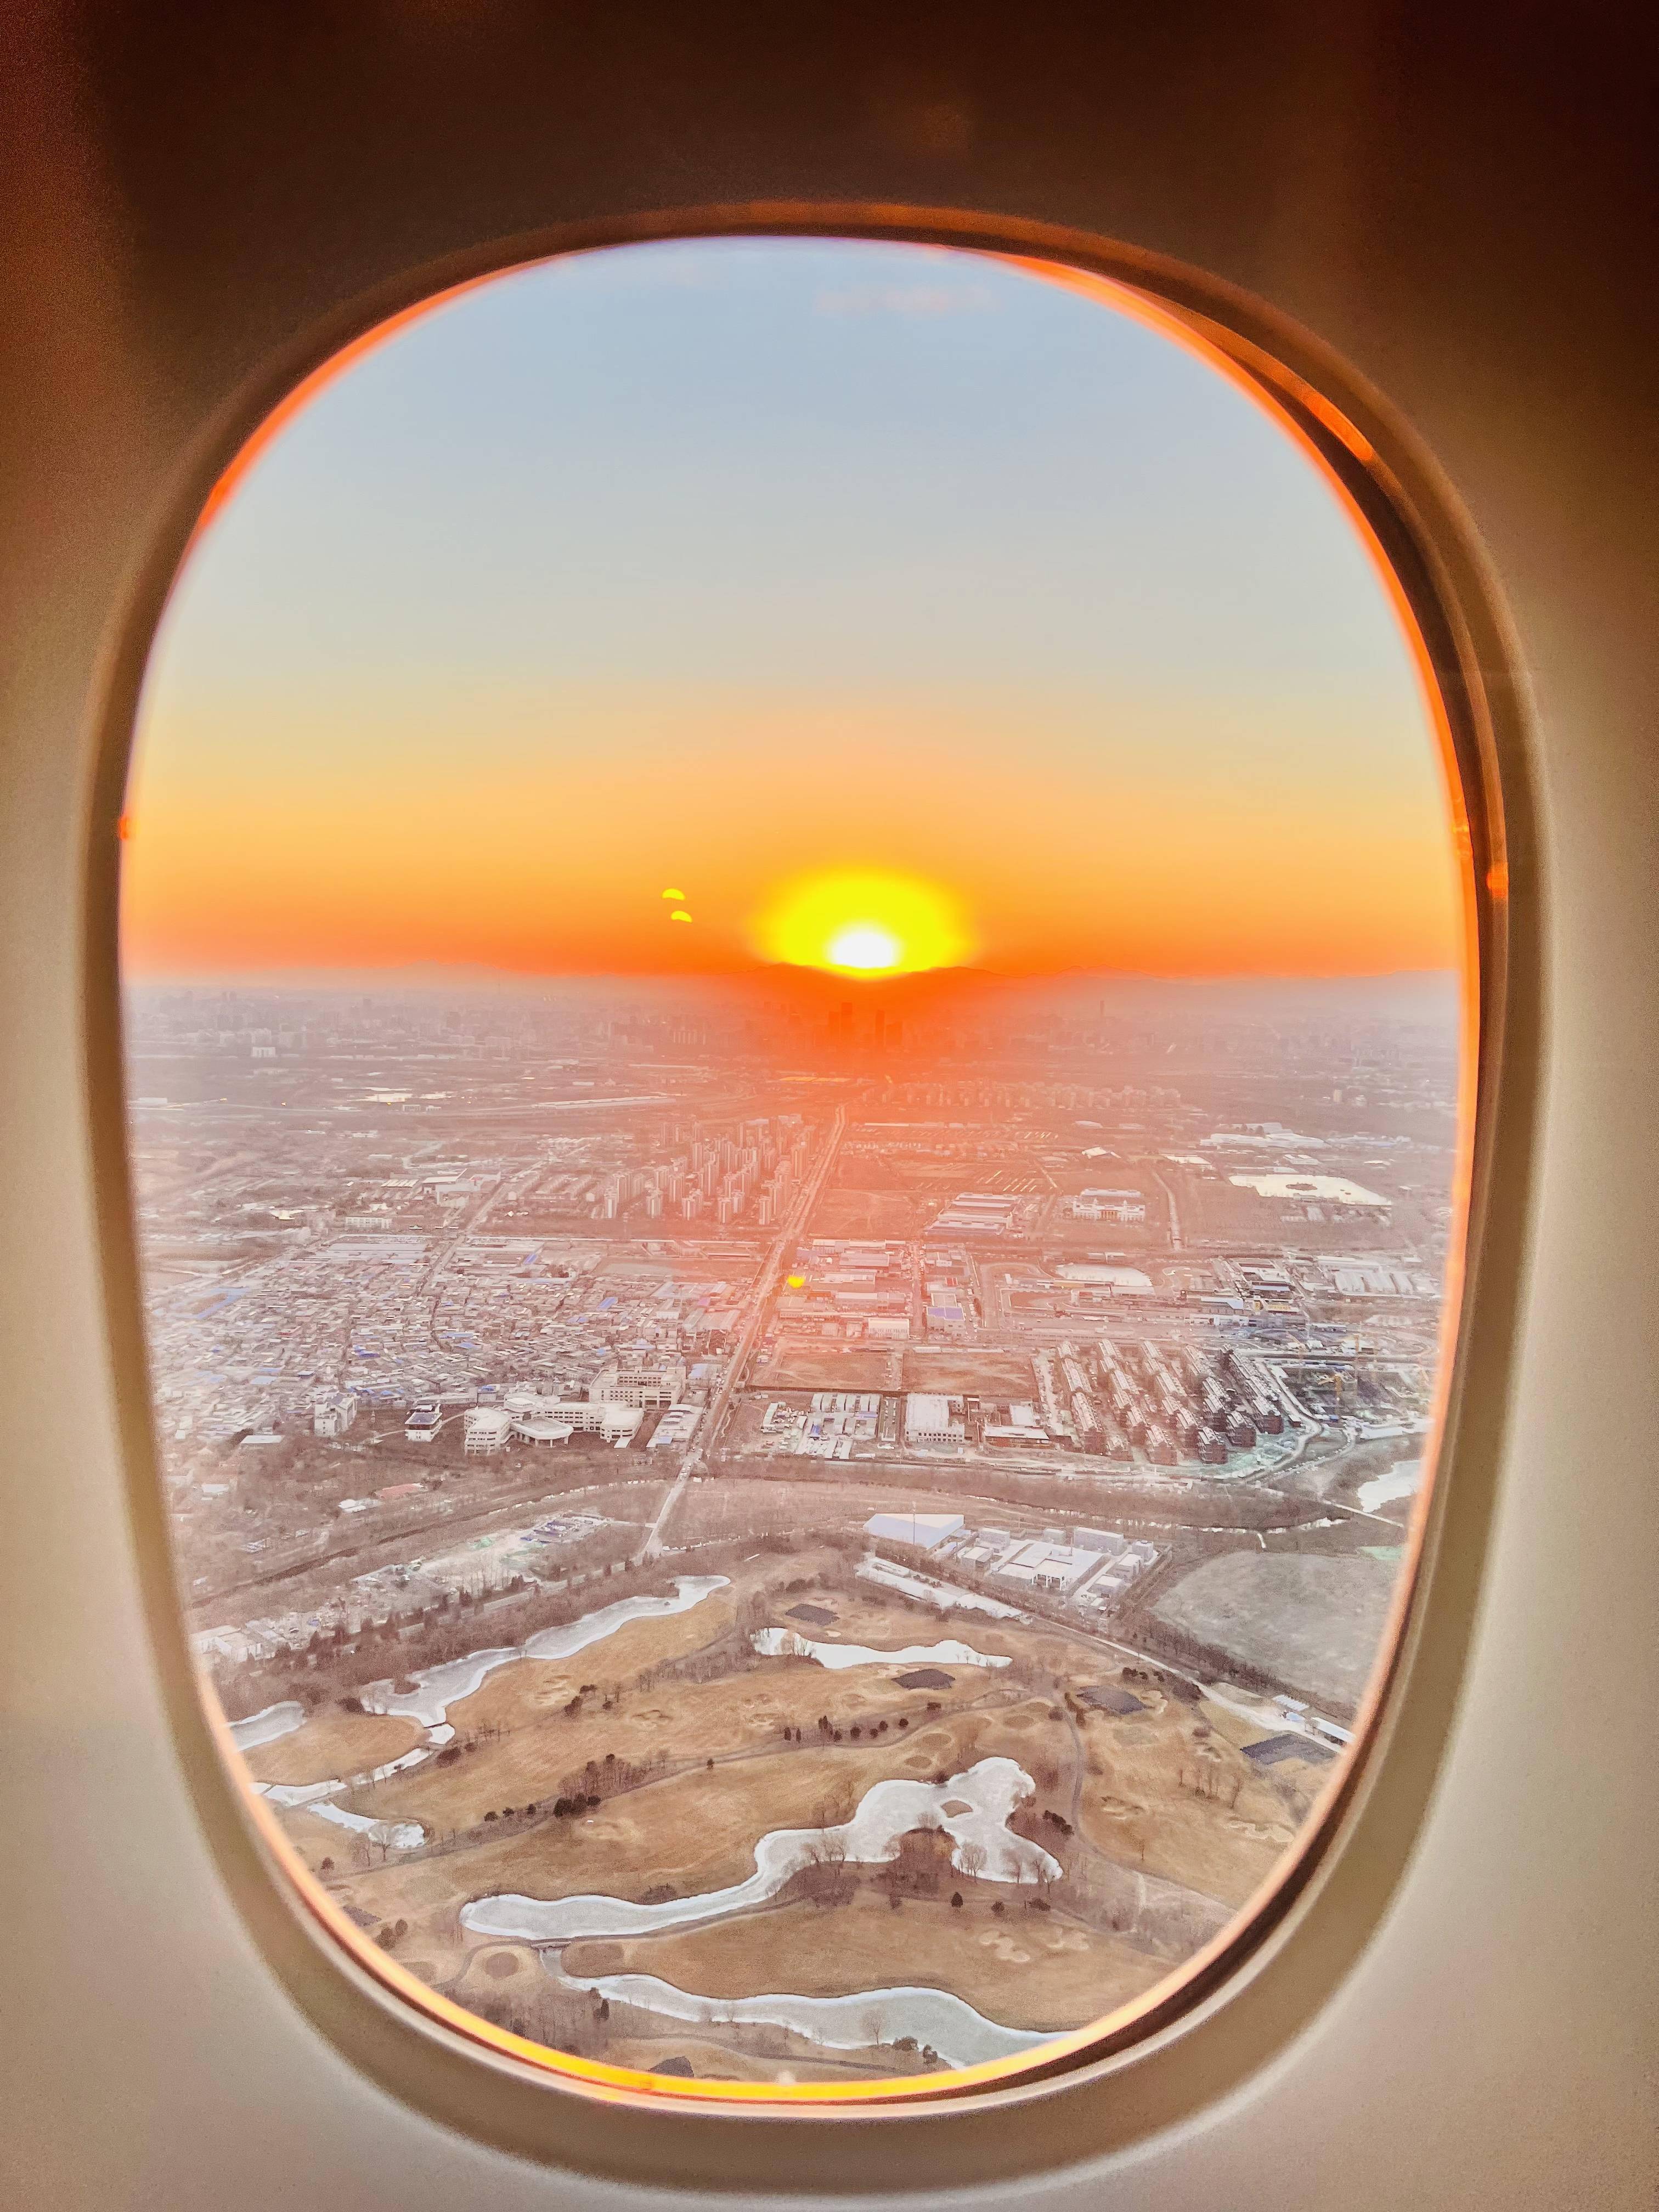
{"points": [[785, 1644], [317, 1796], [437, 1688], [942, 1595], [265, 1728], [593, 1627], [1401, 1481], [947, 2024], [396, 1835], [972, 1809]]}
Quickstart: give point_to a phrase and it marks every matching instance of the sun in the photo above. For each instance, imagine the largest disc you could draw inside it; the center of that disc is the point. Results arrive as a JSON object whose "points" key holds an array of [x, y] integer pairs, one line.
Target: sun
{"points": [[863, 922], [865, 946]]}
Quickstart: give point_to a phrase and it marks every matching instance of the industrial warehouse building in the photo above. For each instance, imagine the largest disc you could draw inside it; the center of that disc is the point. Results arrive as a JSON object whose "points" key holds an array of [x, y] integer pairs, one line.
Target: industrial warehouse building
{"points": [[933, 1420], [924, 1530]]}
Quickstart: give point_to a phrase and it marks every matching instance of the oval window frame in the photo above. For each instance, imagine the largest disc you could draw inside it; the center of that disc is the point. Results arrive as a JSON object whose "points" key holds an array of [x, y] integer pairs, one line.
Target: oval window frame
{"points": [[1260, 1981]]}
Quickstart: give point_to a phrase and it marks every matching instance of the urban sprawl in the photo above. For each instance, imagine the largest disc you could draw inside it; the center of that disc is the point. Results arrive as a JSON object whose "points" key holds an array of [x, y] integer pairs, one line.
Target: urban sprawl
{"points": [[812, 1537]]}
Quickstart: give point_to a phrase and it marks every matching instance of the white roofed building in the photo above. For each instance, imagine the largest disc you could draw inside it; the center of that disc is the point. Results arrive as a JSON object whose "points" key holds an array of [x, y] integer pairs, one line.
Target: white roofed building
{"points": [[927, 1531], [933, 1420]]}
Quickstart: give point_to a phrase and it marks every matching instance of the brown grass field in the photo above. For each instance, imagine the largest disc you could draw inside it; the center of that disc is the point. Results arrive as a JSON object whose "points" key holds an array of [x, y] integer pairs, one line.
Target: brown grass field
{"points": [[694, 1831], [333, 1743], [959, 1370], [844, 1212], [804, 1366], [1024, 1968], [1189, 1808], [1166, 1793], [732, 1717]]}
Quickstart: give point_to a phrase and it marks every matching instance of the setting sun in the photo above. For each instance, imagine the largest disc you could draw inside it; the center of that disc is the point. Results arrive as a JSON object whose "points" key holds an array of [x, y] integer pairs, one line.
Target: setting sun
{"points": [[865, 944], [863, 922]]}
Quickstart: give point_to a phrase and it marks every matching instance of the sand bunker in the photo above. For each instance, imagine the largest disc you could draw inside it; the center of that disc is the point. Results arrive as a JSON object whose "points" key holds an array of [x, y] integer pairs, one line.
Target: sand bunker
{"points": [[1005, 1948], [789, 1643], [991, 1790]]}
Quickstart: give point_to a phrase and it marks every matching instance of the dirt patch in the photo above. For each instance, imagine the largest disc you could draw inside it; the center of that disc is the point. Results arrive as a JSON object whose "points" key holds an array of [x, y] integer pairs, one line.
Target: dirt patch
{"points": [[847, 1212], [806, 1366], [966, 1370]]}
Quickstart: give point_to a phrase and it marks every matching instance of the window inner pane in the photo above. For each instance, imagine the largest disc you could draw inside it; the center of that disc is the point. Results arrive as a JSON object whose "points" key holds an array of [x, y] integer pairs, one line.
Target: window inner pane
{"points": [[793, 979]]}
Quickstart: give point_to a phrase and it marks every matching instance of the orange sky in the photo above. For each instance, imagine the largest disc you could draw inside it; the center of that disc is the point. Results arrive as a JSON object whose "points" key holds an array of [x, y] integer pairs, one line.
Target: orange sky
{"points": [[1009, 595], [1075, 862]]}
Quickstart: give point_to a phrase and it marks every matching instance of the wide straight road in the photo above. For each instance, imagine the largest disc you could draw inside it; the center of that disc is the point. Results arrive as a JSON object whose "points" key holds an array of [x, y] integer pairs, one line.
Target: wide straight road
{"points": [[762, 1293]]}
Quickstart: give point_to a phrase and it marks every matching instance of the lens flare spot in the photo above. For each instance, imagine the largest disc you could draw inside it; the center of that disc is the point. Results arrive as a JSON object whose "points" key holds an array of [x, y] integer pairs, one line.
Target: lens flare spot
{"points": [[680, 915], [863, 922], [674, 895]]}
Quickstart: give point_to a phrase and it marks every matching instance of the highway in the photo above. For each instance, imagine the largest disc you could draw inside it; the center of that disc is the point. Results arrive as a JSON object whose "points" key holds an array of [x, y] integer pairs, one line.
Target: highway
{"points": [[760, 1298]]}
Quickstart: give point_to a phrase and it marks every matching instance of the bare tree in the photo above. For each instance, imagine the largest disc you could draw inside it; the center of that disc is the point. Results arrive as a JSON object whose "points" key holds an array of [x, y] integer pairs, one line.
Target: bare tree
{"points": [[835, 1807], [825, 1876]]}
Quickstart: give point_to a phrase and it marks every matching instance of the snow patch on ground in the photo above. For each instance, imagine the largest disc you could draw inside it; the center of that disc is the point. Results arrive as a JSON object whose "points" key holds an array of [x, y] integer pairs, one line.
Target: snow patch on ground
{"points": [[437, 1688], [1400, 1481], [396, 1835]]}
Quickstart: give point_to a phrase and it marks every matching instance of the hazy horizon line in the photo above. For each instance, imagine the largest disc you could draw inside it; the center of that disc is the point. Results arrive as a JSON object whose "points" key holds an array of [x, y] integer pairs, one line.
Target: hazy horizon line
{"points": [[432, 974]]}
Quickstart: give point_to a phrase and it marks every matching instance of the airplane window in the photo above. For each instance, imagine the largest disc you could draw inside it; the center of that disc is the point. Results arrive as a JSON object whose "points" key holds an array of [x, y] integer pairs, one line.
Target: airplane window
{"points": [[794, 982]]}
